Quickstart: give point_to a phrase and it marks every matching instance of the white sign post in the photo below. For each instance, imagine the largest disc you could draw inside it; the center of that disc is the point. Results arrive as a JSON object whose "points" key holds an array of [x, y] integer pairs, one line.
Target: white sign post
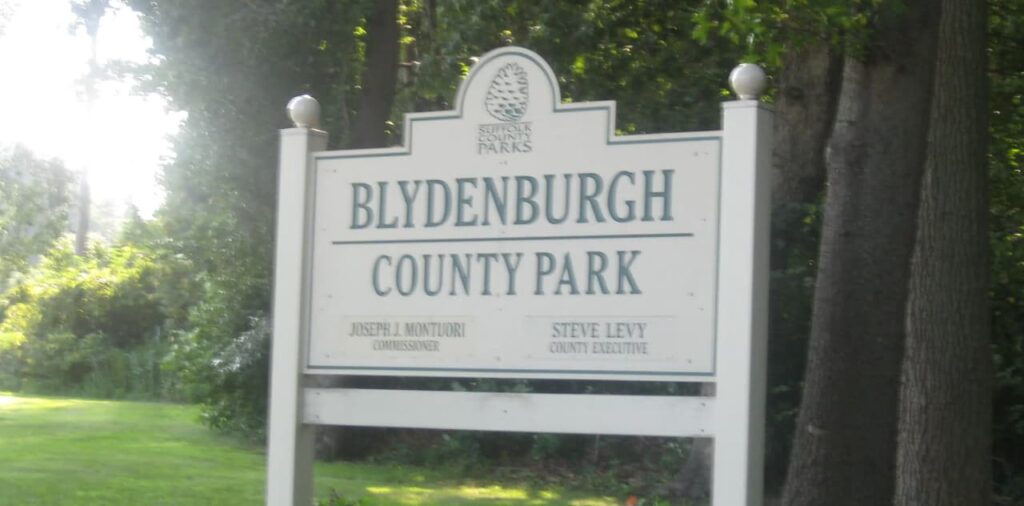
{"points": [[519, 237]]}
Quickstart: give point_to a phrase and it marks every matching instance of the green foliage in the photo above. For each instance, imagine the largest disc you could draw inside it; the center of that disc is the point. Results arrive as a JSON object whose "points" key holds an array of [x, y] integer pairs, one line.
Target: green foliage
{"points": [[795, 235], [88, 325], [608, 464], [641, 54], [221, 358], [35, 196], [233, 69], [233, 378], [767, 29], [1006, 172]]}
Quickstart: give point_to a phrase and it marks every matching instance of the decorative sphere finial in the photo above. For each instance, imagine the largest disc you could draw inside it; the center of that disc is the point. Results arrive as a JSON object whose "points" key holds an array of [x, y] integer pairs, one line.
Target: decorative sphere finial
{"points": [[748, 81], [304, 111]]}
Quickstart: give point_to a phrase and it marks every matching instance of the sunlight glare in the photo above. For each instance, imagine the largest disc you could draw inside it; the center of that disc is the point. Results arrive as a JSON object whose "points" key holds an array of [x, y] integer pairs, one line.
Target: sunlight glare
{"points": [[122, 143]]}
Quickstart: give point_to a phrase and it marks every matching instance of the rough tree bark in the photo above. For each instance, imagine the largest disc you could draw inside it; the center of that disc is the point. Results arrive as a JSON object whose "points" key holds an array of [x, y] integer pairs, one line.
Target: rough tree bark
{"points": [[808, 88], [944, 455], [379, 77], [845, 443], [804, 110]]}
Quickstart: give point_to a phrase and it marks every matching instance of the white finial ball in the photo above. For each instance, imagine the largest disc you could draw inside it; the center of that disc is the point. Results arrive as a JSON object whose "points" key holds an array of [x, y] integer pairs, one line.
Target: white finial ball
{"points": [[304, 111], [748, 81]]}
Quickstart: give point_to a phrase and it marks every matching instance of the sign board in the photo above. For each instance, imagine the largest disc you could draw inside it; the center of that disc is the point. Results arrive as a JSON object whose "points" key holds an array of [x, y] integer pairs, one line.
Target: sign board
{"points": [[519, 237]]}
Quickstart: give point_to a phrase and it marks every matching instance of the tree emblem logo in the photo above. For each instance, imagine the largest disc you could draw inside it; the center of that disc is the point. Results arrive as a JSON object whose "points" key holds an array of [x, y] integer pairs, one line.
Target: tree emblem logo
{"points": [[508, 94]]}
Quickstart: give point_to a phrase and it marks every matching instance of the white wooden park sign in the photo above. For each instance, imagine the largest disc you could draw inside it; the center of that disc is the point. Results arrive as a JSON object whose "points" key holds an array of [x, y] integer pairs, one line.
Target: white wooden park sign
{"points": [[518, 236]]}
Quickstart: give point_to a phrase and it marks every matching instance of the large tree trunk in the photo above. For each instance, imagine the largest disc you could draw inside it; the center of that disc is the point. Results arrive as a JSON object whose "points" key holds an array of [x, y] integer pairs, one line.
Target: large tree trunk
{"points": [[379, 82], [945, 405], [808, 85], [845, 445], [379, 77], [804, 111]]}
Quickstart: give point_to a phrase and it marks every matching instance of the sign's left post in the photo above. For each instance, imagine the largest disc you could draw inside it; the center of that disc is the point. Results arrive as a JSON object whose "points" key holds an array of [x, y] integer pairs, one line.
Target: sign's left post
{"points": [[290, 442]]}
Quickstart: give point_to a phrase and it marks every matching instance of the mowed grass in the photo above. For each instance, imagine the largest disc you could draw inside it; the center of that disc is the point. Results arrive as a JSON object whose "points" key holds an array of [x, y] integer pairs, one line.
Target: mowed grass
{"points": [[59, 451]]}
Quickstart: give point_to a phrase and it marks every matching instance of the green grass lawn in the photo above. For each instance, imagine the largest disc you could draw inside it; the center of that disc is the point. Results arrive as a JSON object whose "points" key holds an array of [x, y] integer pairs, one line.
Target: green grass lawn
{"points": [[59, 451]]}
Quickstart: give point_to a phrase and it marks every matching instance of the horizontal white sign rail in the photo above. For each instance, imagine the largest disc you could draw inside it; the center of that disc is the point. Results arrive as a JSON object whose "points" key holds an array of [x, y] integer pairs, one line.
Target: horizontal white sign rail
{"points": [[668, 416]]}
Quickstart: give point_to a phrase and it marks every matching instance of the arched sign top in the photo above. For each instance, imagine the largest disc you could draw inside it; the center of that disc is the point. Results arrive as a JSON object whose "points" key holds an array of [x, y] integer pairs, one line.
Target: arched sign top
{"points": [[511, 97], [509, 84]]}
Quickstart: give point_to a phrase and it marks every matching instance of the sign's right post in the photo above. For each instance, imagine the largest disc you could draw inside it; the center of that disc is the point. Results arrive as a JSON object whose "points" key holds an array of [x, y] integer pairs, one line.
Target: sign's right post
{"points": [[742, 315]]}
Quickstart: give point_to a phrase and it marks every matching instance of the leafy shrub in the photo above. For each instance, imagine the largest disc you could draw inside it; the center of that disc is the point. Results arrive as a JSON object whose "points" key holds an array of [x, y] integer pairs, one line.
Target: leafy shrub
{"points": [[85, 325], [223, 357], [237, 398]]}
